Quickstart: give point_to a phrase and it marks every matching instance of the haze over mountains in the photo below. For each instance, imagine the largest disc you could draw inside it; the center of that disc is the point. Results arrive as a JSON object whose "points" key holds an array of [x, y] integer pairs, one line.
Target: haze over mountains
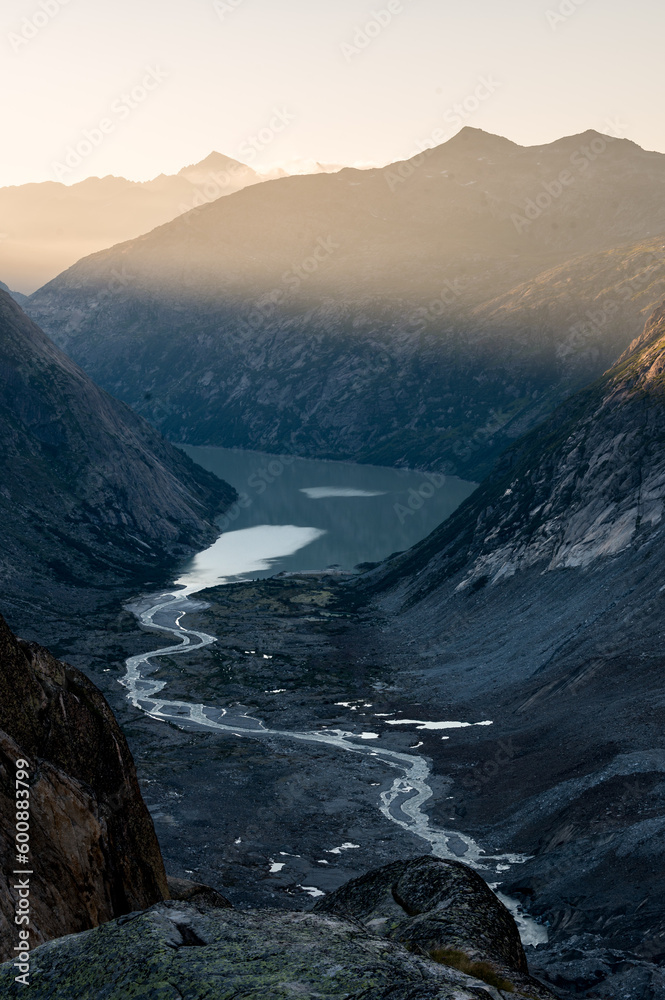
{"points": [[92, 499], [426, 313], [587, 484], [17, 296], [45, 228]]}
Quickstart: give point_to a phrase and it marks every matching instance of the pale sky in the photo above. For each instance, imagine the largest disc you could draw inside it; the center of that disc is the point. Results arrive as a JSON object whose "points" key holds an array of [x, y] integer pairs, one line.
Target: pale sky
{"points": [[299, 74]]}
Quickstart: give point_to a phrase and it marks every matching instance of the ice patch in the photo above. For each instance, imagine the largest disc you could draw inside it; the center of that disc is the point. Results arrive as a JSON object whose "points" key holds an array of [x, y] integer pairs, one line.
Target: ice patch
{"points": [[238, 553], [344, 847], [419, 724], [324, 492]]}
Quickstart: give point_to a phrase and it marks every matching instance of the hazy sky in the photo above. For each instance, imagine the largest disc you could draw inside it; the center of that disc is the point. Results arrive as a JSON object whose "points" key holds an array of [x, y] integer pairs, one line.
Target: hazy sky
{"points": [[289, 79]]}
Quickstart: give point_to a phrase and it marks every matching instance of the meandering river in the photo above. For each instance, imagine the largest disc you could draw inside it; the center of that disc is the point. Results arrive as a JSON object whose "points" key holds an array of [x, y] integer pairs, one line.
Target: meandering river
{"points": [[300, 516]]}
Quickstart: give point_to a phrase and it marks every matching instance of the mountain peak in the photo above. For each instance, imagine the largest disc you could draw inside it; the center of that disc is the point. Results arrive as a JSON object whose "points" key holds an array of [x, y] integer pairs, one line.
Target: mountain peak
{"points": [[597, 141], [477, 143], [469, 132], [214, 161]]}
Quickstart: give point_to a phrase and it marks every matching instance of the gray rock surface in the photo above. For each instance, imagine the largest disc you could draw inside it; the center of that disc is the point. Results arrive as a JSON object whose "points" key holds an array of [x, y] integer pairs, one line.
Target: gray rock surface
{"points": [[185, 891], [178, 950], [432, 905]]}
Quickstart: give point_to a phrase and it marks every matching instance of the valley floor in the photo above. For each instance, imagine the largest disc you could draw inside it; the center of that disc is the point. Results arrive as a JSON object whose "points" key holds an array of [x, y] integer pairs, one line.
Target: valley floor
{"points": [[570, 774]]}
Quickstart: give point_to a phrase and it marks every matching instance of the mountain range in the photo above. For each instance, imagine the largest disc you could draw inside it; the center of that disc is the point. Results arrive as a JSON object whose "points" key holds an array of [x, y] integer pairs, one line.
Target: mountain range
{"points": [[47, 227], [426, 313]]}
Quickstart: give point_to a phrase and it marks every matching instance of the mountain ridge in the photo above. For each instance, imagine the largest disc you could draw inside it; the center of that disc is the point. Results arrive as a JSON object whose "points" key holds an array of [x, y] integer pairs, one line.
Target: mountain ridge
{"points": [[50, 225], [442, 330]]}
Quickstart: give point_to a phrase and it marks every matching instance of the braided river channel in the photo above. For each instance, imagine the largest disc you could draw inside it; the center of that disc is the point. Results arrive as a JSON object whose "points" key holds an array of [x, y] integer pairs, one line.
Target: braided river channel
{"points": [[298, 516]]}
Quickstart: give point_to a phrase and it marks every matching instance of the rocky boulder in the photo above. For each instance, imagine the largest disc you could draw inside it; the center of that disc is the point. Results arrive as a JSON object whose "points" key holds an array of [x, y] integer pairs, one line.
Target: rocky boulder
{"points": [[93, 850], [183, 890], [442, 909], [177, 950]]}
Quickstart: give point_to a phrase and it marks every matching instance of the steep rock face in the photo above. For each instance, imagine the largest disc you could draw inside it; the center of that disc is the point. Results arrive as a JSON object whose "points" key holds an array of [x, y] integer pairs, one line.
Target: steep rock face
{"points": [[93, 850], [587, 484], [392, 316], [17, 296], [90, 495]]}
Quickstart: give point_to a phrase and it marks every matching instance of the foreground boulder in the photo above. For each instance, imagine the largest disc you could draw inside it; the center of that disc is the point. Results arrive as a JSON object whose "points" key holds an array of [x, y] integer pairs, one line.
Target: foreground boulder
{"points": [[181, 950], [183, 890], [442, 909], [93, 850]]}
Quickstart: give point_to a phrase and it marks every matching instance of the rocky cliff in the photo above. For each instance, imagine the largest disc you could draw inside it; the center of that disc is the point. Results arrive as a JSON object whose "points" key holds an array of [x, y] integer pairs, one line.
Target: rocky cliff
{"points": [[586, 485], [93, 851], [428, 313], [91, 497]]}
